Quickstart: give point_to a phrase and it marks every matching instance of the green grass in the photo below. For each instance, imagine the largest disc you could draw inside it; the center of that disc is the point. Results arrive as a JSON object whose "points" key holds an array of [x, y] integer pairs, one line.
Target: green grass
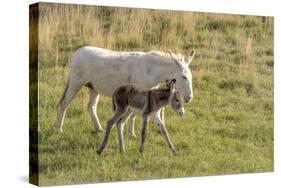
{"points": [[227, 128]]}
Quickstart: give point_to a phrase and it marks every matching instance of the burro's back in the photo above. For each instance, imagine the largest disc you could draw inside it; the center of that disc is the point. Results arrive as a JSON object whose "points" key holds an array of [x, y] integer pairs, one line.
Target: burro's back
{"points": [[107, 70]]}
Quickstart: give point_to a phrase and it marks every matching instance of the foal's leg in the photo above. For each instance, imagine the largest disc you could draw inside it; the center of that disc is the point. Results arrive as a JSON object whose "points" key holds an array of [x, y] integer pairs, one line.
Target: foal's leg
{"points": [[162, 111], [159, 113], [145, 120], [131, 123], [164, 132], [120, 127], [109, 125], [92, 107], [72, 89]]}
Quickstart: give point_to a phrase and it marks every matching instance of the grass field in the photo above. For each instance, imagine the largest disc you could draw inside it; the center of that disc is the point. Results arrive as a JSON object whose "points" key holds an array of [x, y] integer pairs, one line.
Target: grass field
{"points": [[227, 128]]}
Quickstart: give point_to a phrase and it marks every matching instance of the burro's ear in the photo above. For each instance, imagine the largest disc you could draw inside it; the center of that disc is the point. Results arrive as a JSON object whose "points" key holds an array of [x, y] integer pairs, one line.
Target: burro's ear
{"points": [[189, 58], [172, 85]]}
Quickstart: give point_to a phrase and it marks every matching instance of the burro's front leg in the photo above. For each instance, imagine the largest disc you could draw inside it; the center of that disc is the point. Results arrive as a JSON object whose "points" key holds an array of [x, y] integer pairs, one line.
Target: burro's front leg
{"points": [[145, 120], [164, 132]]}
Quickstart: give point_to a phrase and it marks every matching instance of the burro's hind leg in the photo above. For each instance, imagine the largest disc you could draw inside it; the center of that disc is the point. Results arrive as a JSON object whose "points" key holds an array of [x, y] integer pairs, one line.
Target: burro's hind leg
{"points": [[92, 107], [120, 127], [71, 90], [164, 131], [145, 121], [118, 114]]}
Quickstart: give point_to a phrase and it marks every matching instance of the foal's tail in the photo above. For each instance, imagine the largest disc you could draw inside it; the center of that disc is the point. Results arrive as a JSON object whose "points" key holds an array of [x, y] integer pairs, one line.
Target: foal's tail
{"points": [[113, 102], [64, 92]]}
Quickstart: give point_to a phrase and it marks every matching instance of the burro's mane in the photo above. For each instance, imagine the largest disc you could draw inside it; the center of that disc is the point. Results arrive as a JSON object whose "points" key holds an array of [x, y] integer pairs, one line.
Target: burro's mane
{"points": [[166, 54], [153, 53]]}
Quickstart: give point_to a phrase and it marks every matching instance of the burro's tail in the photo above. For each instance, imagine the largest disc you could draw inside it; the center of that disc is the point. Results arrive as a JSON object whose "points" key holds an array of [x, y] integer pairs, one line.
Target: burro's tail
{"points": [[114, 101], [64, 93]]}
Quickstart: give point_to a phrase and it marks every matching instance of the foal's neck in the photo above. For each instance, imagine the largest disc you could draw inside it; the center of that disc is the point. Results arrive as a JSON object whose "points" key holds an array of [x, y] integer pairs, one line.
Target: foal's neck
{"points": [[161, 97]]}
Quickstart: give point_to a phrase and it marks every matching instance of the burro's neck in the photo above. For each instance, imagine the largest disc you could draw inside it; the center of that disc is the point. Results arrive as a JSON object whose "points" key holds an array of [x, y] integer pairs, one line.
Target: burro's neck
{"points": [[163, 68]]}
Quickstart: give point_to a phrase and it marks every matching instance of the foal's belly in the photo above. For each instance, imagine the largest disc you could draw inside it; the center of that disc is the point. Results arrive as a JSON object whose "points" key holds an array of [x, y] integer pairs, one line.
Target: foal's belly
{"points": [[138, 111], [135, 110]]}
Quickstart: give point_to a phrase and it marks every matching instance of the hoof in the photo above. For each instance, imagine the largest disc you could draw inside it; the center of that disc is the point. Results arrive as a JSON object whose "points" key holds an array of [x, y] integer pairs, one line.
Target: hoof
{"points": [[59, 129], [99, 151], [100, 130], [57, 126], [134, 136], [159, 131]]}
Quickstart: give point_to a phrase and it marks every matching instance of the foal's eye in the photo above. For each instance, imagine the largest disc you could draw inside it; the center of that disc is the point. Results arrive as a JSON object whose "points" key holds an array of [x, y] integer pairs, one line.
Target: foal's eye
{"points": [[177, 101], [184, 77]]}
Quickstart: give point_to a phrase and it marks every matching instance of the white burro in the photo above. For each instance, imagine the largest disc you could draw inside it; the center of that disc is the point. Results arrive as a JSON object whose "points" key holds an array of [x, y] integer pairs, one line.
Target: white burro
{"points": [[103, 71]]}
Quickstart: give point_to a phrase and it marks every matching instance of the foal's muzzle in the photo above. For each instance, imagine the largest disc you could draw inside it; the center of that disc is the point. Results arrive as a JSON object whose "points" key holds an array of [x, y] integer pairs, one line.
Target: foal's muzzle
{"points": [[187, 99], [181, 111]]}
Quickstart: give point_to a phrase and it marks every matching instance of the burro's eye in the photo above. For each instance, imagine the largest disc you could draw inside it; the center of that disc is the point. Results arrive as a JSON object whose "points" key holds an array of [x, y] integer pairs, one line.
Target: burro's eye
{"points": [[177, 101], [184, 77]]}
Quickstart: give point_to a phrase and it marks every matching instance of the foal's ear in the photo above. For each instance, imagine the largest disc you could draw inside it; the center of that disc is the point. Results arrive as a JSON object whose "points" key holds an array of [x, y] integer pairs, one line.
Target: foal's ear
{"points": [[172, 85]]}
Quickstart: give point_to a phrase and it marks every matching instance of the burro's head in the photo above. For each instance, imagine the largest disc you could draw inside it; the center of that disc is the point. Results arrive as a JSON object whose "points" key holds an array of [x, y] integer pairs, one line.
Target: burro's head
{"points": [[176, 99], [183, 75]]}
